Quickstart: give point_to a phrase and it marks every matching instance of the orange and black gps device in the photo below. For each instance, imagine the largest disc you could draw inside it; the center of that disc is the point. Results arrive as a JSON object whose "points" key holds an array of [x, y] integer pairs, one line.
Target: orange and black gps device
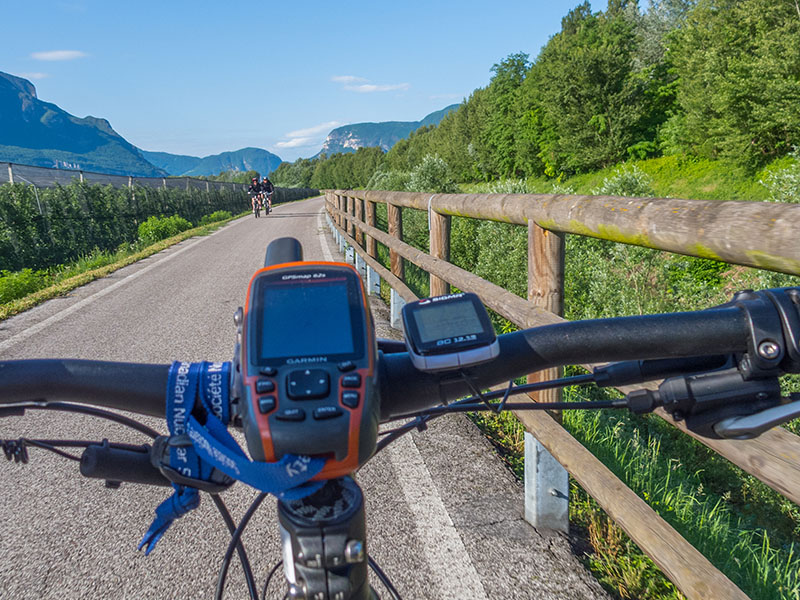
{"points": [[308, 362]]}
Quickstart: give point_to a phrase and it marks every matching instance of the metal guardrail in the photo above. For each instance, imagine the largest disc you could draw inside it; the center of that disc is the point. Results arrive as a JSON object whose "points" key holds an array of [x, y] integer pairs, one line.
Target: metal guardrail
{"points": [[753, 234]]}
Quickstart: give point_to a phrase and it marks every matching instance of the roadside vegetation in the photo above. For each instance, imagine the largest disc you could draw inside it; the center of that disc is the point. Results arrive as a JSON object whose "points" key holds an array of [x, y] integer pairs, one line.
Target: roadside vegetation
{"points": [[50, 239], [26, 288]]}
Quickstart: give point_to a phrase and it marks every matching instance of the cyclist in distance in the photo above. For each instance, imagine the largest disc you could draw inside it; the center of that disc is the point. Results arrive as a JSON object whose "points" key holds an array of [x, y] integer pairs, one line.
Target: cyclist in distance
{"points": [[267, 188], [255, 196]]}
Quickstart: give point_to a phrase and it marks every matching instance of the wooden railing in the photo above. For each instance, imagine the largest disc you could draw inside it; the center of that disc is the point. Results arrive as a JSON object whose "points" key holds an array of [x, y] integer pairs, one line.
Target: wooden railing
{"points": [[759, 235]]}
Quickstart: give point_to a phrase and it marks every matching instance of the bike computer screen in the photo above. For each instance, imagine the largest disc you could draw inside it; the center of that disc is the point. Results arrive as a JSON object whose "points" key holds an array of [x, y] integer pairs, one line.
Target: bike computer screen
{"points": [[447, 332]]}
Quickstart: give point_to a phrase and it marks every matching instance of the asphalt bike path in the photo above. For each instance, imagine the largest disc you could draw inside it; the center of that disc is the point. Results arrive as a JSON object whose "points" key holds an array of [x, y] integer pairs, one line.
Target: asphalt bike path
{"points": [[443, 514]]}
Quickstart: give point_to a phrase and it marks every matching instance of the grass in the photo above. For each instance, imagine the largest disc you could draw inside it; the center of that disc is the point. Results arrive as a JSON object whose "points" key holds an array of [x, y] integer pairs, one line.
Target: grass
{"points": [[94, 266], [672, 177], [745, 529]]}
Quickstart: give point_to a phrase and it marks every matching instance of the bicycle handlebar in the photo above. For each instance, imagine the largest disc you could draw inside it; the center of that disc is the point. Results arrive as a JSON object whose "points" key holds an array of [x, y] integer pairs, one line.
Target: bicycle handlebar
{"points": [[139, 388], [404, 389], [133, 387]]}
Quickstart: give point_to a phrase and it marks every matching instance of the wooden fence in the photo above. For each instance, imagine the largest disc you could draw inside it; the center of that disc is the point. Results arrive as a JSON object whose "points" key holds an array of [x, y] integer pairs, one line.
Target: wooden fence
{"points": [[759, 235]]}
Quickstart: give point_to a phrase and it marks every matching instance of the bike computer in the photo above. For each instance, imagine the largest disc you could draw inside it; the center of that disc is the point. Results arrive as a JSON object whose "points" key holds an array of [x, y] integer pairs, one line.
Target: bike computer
{"points": [[448, 332], [308, 356]]}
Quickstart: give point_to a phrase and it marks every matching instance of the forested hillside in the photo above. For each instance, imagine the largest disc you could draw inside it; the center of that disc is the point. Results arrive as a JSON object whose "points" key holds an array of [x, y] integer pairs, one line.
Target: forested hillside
{"points": [[705, 79]]}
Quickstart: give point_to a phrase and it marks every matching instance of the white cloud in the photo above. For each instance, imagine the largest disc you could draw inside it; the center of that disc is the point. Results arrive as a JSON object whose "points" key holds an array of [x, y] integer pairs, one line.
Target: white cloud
{"points": [[315, 130], [310, 136], [347, 79], [362, 85], [33, 75], [369, 87], [296, 143], [59, 55]]}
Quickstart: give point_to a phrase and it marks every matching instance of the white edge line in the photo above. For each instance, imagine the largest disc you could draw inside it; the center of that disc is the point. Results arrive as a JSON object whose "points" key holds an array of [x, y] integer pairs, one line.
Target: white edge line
{"points": [[449, 562]]}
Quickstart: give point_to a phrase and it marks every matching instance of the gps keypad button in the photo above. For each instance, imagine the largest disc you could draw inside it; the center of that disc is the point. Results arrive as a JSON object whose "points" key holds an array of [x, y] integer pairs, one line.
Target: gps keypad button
{"points": [[307, 384], [264, 386], [351, 399], [351, 381], [327, 412], [291, 414], [266, 404]]}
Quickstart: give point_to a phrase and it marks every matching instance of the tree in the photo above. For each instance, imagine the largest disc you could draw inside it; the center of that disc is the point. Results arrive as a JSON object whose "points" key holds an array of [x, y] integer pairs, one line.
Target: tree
{"points": [[738, 63], [583, 94]]}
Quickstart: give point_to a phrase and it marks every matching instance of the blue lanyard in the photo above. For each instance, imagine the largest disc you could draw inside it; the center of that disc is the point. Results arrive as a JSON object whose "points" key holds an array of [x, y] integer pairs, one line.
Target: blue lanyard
{"points": [[212, 447]]}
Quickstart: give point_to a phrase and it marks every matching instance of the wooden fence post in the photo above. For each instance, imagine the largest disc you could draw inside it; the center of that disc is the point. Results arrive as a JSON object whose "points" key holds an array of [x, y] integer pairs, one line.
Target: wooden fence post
{"points": [[396, 302], [359, 212], [546, 481], [373, 279], [10, 174], [440, 248], [351, 209], [395, 216], [372, 222]]}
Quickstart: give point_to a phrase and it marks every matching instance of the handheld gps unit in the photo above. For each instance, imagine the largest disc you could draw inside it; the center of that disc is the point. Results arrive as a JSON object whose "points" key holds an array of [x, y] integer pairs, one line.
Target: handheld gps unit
{"points": [[448, 332], [308, 362]]}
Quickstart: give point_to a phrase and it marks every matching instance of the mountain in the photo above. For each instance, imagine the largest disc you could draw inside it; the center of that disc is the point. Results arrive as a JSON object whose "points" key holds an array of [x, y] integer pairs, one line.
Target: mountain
{"points": [[246, 159], [38, 133], [349, 138]]}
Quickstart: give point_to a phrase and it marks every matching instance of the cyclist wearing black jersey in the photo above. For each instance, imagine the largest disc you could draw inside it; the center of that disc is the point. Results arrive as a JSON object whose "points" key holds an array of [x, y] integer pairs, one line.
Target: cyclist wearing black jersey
{"points": [[267, 189], [255, 196]]}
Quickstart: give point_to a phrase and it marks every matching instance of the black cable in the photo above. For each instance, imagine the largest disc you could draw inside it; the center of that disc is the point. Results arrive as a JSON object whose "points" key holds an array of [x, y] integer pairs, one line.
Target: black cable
{"points": [[470, 404], [87, 410], [384, 579], [51, 445], [269, 578], [248, 571], [226, 561], [476, 407]]}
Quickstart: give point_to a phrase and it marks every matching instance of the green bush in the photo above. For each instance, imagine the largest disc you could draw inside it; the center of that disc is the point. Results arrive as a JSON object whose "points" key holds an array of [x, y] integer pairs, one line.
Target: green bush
{"points": [[784, 185], [160, 228], [219, 215], [389, 180], [626, 181], [432, 175], [21, 283]]}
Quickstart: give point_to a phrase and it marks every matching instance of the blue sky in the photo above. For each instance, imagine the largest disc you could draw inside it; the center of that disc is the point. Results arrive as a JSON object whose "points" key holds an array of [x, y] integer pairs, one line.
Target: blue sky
{"points": [[201, 78]]}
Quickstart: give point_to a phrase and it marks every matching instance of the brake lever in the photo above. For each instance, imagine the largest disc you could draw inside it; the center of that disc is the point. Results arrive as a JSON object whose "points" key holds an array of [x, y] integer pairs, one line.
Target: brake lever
{"points": [[750, 426]]}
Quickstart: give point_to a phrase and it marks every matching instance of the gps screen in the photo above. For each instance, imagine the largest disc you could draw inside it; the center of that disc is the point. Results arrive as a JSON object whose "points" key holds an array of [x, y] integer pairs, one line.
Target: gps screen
{"points": [[310, 319]]}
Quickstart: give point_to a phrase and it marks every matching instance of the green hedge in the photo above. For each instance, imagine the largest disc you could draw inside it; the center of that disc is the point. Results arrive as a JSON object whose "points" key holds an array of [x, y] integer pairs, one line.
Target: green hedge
{"points": [[40, 228]]}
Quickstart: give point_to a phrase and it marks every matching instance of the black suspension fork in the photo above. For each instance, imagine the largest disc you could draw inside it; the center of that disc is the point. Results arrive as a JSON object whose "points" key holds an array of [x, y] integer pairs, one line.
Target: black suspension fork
{"points": [[324, 544]]}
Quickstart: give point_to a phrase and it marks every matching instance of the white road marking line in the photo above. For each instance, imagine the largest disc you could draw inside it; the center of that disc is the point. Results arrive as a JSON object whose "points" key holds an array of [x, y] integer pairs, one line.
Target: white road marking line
{"points": [[34, 329], [455, 576]]}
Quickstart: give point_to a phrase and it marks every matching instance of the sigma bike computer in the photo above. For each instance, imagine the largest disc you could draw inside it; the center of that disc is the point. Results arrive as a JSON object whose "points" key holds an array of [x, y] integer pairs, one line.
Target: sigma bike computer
{"points": [[308, 363], [448, 332]]}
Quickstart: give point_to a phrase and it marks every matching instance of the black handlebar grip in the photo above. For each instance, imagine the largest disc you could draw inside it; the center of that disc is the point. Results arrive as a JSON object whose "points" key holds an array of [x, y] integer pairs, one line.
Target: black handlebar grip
{"points": [[283, 250], [117, 464], [139, 388]]}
